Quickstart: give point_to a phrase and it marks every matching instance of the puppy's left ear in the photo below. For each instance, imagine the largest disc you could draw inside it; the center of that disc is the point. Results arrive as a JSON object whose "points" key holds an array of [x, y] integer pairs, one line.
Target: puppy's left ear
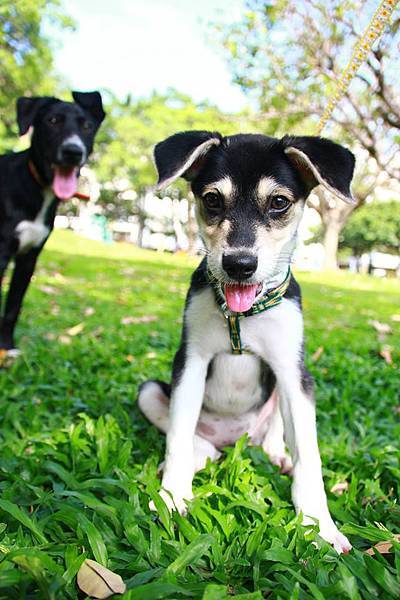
{"points": [[320, 161], [183, 155], [91, 101], [28, 108]]}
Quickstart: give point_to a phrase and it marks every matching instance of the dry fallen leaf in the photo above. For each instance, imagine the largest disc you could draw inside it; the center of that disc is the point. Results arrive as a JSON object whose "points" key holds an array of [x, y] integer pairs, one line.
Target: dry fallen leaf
{"points": [[76, 329], [317, 354], [97, 332], [383, 547], [386, 353], [49, 290], [380, 327], [97, 581], [130, 358], [340, 487], [7, 357], [64, 339], [134, 320]]}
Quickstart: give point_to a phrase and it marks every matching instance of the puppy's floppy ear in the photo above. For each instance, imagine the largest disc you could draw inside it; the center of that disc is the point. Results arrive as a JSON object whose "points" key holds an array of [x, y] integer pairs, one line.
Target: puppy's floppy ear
{"points": [[28, 108], [320, 161], [91, 101], [182, 155]]}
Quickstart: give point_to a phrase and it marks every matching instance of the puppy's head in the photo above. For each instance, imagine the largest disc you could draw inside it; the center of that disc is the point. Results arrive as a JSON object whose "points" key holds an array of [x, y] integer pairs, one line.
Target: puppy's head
{"points": [[63, 135], [250, 192]]}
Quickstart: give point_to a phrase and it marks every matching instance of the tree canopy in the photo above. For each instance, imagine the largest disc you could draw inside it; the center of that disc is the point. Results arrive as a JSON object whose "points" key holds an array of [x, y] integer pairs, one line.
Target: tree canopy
{"points": [[375, 226], [26, 60]]}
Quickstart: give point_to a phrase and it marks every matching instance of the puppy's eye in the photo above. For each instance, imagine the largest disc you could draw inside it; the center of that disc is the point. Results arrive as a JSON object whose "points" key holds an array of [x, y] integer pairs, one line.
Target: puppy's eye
{"points": [[213, 202], [279, 204], [54, 120], [87, 125]]}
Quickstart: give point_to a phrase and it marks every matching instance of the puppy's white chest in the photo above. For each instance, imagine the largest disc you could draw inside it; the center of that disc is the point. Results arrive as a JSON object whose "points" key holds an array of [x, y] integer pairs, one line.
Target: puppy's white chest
{"points": [[32, 234]]}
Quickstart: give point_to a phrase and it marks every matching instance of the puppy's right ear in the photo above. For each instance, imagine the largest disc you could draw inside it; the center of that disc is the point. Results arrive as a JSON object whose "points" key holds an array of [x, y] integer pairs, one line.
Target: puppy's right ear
{"points": [[182, 155], [28, 108]]}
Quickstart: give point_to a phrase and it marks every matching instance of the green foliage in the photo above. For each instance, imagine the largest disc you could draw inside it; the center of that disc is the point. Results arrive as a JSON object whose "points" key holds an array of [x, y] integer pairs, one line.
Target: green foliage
{"points": [[26, 64], [375, 226], [79, 461], [126, 141]]}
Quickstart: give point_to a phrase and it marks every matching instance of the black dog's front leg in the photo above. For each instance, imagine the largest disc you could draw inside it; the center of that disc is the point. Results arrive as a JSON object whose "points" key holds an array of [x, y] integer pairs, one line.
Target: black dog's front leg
{"points": [[23, 271]]}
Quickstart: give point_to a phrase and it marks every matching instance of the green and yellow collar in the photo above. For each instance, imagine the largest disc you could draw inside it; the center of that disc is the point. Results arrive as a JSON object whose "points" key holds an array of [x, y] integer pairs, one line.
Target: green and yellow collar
{"points": [[268, 300]]}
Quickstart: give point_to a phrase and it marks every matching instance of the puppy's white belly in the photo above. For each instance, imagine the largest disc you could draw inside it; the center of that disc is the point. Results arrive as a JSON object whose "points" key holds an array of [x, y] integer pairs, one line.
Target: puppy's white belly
{"points": [[234, 386]]}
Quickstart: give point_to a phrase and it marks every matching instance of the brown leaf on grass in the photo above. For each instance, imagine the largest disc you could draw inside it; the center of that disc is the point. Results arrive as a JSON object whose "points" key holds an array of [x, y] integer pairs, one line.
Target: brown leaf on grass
{"points": [[130, 358], [97, 581], [64, 339], [383, 547], [340, 487], [76, 329], [127, 271], [386, 353], [382, 328], [49, 290], [97, 332], [135, 320], [317, 354]]}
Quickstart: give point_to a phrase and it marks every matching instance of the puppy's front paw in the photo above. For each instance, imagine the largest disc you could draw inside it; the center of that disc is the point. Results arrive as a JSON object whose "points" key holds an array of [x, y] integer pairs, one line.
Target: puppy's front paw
{"points": [[176, 502], [283, 461], [332, 535]]}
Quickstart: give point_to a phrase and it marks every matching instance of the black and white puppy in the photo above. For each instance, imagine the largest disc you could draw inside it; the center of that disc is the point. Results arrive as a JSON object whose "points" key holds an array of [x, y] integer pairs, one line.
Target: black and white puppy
{"points": [[250, 192], [33, 182]]}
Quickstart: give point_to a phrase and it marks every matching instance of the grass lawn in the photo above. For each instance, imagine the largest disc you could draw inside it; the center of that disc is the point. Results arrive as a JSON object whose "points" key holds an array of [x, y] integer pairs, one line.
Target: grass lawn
{"points": [[78, 462]]}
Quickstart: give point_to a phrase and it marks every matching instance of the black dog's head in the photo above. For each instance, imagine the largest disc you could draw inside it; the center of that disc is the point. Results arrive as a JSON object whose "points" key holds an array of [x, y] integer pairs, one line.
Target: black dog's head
{"points": [[63, 136], [250, 192]]}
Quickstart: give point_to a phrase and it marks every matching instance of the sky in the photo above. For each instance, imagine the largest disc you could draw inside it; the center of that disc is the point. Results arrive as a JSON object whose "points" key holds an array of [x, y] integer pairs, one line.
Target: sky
{"points": [[137, 46]]}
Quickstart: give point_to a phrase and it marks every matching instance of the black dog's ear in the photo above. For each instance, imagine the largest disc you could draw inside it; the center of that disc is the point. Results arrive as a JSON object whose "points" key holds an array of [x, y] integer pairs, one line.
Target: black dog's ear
{"points": [[28, 108], [91, 101], [182, 155], [321, 161]]}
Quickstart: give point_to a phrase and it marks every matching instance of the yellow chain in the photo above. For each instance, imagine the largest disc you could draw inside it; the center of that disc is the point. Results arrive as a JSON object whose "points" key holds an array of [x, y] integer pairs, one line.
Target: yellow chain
{"points": [[361, 50]]}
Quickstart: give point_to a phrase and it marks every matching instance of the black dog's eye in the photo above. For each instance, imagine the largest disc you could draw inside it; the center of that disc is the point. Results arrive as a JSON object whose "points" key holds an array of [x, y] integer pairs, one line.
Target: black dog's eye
{"points": [[87, 125], [213, 202], [279, 204], [54, 120]]}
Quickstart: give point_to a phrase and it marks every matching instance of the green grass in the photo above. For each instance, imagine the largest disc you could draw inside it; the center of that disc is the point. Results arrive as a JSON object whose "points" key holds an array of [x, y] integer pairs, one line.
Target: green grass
{"points": [[78, 462]]}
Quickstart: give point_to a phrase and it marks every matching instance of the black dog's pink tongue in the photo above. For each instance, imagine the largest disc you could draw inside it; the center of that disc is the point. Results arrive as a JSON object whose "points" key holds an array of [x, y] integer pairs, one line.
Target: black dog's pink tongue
{"points": [[65, 182], [240, 298]]}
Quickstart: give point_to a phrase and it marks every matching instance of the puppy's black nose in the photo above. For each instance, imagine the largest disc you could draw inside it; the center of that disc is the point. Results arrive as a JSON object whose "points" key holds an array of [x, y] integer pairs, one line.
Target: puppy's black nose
{"points": [[239, 266], [71, 154]]}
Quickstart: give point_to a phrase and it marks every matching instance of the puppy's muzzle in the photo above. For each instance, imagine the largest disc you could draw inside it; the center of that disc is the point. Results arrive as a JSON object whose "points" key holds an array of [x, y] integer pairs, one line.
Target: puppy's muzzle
{"points": [[71, 154], [239, 266]]}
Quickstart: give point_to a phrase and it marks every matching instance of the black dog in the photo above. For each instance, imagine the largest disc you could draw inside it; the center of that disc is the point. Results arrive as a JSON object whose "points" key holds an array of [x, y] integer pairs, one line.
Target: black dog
{"points": [[33, 182]]}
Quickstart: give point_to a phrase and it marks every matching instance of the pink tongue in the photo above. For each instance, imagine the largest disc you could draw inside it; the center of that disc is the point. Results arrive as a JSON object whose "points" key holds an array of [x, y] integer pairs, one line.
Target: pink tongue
{"points": [[240, 298], [65, 182]]}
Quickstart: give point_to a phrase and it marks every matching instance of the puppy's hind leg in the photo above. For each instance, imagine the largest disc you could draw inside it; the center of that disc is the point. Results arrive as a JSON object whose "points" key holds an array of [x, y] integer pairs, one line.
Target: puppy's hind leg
{"points": [[274, 443], [153, 401]]}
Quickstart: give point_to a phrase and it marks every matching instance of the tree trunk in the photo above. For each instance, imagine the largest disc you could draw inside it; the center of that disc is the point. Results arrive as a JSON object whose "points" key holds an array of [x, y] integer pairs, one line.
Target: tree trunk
{"points": [[331, 245]]}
